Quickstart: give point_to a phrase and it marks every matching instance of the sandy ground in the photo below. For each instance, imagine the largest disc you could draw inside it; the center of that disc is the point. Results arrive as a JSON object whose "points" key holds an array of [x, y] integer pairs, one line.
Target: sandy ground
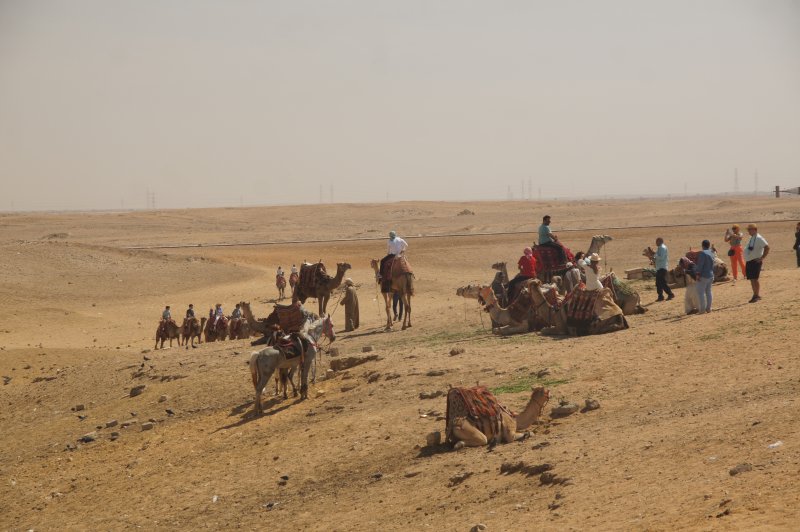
{"points": [[683, 399]]}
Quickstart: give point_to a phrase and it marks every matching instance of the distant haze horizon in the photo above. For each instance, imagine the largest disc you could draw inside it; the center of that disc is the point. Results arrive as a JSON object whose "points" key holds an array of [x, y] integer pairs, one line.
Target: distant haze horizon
{"points": [[192, 104]]}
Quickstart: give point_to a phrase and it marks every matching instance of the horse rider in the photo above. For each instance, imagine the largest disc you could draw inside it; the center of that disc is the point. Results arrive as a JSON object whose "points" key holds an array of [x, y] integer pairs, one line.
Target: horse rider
{"points": [[395, 247], [548, 238]]}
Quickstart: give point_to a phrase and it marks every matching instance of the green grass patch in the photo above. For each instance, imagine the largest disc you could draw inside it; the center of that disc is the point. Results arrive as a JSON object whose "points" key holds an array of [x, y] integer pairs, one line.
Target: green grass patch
{"points": [[525, 383]]}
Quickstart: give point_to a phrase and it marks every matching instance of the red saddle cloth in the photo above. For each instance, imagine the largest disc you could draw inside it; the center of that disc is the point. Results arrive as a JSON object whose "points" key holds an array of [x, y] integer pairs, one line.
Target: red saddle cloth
{"points": [[581, 304], [549, 260], [280, 280], [290, 317]]}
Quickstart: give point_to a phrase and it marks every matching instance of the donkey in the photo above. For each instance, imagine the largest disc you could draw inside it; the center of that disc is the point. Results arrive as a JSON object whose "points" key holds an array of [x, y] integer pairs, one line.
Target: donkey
{"points": [[264, 363]]}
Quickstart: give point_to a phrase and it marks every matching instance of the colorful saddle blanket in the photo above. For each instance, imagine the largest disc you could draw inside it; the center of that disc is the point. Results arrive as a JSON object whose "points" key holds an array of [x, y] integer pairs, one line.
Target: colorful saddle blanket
{"points": [[549, 260], [310, 275], [478, 405], [581, 304], [292, 317]]}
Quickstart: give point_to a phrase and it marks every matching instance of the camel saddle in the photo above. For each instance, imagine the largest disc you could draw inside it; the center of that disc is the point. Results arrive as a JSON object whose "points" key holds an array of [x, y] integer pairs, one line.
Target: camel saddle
{"points": [[291, 317], [581, 305], [548, 259], [310, 276]]}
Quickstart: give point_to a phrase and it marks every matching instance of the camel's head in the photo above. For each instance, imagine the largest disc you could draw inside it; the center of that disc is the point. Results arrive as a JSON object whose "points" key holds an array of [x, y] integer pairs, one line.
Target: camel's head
{"points": [[374, 264], [343, 266], [602, 239], [470, 291], [648, 252], [540, 394], [486, 296], [498, 266]]}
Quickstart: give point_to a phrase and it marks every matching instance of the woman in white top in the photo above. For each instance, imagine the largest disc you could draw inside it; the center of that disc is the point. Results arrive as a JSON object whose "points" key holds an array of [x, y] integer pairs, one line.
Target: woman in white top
{"points": [[593, 273]]}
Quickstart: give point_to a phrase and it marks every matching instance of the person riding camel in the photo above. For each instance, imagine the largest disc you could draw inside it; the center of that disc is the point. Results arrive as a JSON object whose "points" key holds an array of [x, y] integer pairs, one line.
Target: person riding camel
{"points": [[218, 314], [395, 247], [548, 238], [166, 317], [527, 269], [279, 273], [294, 269], [189, 315], [237, 312]]}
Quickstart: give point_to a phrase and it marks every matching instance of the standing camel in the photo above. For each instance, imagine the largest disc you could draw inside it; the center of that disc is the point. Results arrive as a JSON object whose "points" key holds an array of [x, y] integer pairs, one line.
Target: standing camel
{"points": [[323, 287], [167, 330], [402, 283], [191, 329], [280, 283], [264, 363]]}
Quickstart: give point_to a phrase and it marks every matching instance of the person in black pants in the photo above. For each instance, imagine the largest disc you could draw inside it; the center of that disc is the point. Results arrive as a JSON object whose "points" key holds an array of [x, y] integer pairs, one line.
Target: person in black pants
{"points": [[797, 243], [661, 260]]}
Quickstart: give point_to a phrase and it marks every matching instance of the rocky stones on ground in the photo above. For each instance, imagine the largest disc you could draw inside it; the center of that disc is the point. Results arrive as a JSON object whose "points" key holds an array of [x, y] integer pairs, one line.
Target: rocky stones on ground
{"points": [[128, 423], [329, 374], [114, 436], [169, 412], [431, 395], [528, 470], [591, 404], [456, 351], [112, 423], [373, 377], [434, 438], [349, 387], [377, 476], [391, 376], [564, 409], [78, 408], [163, 398], [88, 437], [741, 468], [148, 425], [270, 505], [458, 478], [367, 349], [6, 380], [543, 373], [320, 392], [412, 473], [435, 373], [137, 390], [480, 527], [333, 351], [349, 362]]}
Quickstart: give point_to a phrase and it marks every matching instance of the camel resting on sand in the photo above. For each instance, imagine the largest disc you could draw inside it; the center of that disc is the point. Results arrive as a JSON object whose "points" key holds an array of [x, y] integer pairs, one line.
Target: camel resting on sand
{"points": [[475, 417]]}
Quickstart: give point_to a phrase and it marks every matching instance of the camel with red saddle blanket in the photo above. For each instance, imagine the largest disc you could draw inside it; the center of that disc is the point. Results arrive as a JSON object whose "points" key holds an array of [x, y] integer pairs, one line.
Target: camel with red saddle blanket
{"points": [[314, 281], [475, 417], [397, 279], [549, 263]]}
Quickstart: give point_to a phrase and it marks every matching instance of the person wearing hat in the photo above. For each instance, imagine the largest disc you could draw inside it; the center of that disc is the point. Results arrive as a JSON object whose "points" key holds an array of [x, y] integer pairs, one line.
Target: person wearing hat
{"points": [[572, 277], [661, 260], [704, 275], [593, 273], [734, 237], [754, 254], [350, 302]]}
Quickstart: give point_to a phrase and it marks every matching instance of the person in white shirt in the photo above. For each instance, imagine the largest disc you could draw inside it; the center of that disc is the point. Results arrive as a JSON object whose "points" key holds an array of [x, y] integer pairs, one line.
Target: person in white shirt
{"points": [[279, 273], [396, 247], [593, 273], [294, 269], [755, 252]]}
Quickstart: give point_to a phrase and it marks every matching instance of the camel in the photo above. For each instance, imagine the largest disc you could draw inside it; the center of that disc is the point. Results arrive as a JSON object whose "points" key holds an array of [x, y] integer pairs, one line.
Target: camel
{"points": [[402, 284], [625, 296], [469, 425], [191, 329], [676, 275], [220, 332], [322, 289], [294, 277], [280, 283], [264, 326], [264, 363], [597, 243], [167, 330], [239, 329]]}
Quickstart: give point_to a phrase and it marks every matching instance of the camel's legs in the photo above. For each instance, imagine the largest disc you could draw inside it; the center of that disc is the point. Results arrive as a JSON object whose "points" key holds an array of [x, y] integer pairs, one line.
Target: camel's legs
{"points": [[466, 432], [387, 300], [407, 317]]}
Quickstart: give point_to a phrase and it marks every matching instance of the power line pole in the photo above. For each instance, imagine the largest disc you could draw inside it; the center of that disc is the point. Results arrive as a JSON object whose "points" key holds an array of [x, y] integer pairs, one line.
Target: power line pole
{"points": [[736, 180]]}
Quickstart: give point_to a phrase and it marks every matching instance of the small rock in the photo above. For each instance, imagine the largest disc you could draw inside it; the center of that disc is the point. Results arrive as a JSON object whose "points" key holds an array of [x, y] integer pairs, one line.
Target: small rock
{"points": [[329, 374], [456, 351], [349, 387], [373, 377], [431, 395], [478, 528], [78, 408], [128, 423], [543, 373], [112, 423], [88, 437], [367, 349], [148, 425], [169, 412], [163, 399], [411, 474], [320, 393], [564, 409], [591, 404], [284, 477], [137, 390], [270, 505], [436, 373], [741, 468], [433, 439], [349, 362], [333, 351], [392, 376], [71, 447], [6, 380], [458, 478], [377, 476], [114, 436], [145, 351]]}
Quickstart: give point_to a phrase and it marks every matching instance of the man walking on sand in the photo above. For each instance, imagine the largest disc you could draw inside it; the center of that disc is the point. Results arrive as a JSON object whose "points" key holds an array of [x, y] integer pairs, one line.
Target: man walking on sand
{"points": [[662, 263], [754, 254]]}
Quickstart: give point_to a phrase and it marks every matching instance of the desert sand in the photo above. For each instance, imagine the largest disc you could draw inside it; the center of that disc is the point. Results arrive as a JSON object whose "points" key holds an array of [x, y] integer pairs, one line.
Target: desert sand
{"points": [[683, 399]]}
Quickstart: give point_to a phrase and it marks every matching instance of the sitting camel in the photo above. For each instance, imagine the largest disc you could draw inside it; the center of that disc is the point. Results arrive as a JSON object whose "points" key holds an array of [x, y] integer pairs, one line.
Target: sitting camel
{"points": [[475, 417]]}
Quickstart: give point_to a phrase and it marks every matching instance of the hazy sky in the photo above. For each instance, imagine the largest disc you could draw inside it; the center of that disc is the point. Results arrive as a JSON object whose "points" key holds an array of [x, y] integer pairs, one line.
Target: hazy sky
{"points": [[219, 102]]}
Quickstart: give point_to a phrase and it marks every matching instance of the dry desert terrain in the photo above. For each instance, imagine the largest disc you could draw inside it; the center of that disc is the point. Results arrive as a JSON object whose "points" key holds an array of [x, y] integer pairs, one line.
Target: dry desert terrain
{"points": [[683, 399]]}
